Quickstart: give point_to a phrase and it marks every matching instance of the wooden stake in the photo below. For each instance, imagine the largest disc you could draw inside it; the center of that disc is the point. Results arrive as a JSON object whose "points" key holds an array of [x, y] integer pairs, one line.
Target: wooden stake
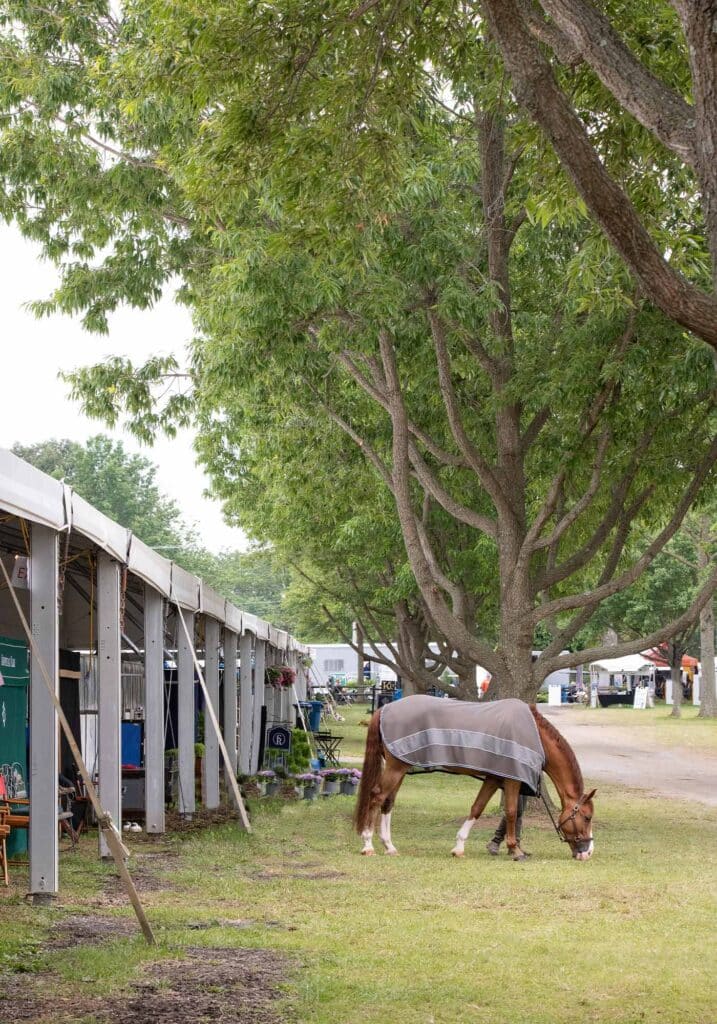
{"points": [[213, 718]]}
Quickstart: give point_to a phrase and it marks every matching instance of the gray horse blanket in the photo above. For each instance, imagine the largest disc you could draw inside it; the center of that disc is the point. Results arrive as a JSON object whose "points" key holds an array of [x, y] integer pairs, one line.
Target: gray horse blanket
{"points": [[497, 738]]}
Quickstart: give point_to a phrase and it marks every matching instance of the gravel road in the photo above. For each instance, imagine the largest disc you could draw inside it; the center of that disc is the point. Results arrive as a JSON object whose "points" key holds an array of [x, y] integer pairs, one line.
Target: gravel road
{"points": [[611, 751]]}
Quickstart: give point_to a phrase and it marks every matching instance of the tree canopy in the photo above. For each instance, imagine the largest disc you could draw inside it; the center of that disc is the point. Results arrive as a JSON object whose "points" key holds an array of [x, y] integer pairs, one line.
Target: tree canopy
{"points": [[370, 228]]}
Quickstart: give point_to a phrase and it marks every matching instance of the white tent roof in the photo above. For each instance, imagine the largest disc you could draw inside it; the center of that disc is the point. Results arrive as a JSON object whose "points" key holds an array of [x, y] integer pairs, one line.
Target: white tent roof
{"points": [[630, 663], [30, 494]]}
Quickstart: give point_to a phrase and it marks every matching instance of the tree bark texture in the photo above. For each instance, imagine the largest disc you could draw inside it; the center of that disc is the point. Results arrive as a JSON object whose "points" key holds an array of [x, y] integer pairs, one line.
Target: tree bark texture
{"points": [[708, 688], [538, 92]]}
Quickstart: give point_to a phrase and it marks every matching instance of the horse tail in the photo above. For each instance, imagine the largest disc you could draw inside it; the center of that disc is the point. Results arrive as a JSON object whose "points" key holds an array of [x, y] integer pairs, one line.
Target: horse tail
{"points": [[370, 774]]}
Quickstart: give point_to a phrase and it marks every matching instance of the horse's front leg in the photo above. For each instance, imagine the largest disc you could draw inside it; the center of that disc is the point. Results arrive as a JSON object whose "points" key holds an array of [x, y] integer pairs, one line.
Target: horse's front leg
{"points": [[512, 795], [481, 802]]}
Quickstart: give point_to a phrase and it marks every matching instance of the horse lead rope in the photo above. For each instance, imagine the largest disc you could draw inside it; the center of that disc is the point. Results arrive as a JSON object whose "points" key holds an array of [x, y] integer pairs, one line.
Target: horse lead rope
{"points": [[561, 837]]}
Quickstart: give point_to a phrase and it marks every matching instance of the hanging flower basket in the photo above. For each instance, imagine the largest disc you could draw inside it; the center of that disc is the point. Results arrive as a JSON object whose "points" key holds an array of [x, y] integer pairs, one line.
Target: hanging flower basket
{"points": [[281, 677]]}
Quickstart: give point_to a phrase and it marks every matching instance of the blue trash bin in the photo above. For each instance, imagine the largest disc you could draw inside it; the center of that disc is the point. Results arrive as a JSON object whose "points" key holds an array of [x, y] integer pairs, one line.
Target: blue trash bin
{"points": [[315, 715]]}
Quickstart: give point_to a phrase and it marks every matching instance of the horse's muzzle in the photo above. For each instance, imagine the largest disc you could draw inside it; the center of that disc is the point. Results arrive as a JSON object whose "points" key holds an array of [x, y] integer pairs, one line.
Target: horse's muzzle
{"points": [[583, 850]]}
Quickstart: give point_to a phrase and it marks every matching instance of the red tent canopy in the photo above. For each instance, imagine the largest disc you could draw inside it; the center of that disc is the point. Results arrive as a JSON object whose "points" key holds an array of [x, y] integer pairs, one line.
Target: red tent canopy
{"points": [[659, 658]]}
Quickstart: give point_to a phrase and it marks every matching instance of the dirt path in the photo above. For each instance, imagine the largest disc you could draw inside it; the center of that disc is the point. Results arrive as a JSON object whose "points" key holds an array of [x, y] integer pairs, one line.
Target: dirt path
{"points": [[611, 751]]}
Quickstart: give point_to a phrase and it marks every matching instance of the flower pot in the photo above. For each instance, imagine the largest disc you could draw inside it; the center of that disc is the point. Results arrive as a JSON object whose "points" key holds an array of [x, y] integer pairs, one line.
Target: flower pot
{"points": [[349, 788], [331, 786], [272, 788], [311, 791]]}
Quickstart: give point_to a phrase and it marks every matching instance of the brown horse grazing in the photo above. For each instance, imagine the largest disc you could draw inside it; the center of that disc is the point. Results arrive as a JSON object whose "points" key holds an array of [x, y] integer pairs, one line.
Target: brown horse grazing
{"points": [[441, 735]]}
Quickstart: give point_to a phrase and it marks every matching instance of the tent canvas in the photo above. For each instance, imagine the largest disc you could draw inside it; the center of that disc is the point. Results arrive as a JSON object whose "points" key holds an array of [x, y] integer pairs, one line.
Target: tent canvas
{"points": [[631, 664], [658, 658]]}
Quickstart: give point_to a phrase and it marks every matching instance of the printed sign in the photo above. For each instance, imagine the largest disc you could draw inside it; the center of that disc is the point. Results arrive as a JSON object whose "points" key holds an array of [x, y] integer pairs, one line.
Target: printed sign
{"points": [[278, 738], [554, 693], [640, 698], [21, 573]]}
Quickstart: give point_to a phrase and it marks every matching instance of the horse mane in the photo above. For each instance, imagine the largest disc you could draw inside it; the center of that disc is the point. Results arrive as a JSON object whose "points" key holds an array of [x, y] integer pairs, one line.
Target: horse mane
{"points": [[548, 729]]}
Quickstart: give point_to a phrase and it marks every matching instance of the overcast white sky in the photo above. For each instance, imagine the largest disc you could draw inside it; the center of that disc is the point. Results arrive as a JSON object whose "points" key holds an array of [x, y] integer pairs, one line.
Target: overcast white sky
{"points": [[35, 406]]}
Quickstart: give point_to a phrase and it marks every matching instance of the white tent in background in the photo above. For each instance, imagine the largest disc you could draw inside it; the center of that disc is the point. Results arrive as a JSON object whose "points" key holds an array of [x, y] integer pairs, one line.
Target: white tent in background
{"points": [[629, 665], [614, 680]]}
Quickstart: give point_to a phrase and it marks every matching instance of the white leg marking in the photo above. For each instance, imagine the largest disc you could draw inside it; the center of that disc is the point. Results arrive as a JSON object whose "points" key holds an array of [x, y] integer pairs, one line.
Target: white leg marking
{"points": [[463, 832], [385, 833], [367, 836]]}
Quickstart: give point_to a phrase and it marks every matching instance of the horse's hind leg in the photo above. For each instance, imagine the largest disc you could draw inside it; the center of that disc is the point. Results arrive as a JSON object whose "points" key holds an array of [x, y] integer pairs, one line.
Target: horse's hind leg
{"points": [[512, 795], [481, 802], [391, 783]]}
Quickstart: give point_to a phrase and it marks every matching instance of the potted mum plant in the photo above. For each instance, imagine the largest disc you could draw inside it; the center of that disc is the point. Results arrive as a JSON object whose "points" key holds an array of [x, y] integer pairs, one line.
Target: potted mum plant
{"points": [[350, 779], [331, 779], [310, 783], [270, 781]]}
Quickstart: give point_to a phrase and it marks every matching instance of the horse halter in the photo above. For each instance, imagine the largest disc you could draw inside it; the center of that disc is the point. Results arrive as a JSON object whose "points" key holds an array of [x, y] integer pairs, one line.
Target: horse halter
{"points": [[559, 826]]}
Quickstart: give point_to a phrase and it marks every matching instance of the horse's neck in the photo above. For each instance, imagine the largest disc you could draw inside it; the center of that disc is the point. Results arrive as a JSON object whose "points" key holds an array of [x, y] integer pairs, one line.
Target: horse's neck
{"points": [[560, 767]]}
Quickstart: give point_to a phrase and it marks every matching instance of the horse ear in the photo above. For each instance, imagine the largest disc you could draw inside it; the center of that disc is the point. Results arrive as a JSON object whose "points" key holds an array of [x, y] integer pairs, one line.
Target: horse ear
{"points": [[591, 794]]}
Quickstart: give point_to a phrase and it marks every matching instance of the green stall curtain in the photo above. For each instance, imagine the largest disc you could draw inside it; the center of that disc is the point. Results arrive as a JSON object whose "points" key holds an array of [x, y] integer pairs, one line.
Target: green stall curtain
{"points": [[14, 680]]}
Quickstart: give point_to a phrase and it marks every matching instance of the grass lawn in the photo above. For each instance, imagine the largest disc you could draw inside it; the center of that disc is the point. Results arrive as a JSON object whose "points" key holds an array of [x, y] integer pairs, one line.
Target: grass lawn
{"points": [[421, 938]]}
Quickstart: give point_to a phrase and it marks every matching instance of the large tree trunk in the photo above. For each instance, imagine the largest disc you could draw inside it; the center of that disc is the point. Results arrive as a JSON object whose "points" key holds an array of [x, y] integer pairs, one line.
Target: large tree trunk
{"points": [[708, 696], [676, 677]]}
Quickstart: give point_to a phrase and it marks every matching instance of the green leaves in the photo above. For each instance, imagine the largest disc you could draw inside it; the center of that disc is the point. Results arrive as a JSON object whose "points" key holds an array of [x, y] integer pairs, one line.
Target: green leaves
{"points": [[155, 396]]}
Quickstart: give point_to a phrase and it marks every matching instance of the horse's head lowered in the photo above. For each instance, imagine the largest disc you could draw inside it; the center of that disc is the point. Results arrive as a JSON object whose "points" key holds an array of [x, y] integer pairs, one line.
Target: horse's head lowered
{"points": [[575, 826]]}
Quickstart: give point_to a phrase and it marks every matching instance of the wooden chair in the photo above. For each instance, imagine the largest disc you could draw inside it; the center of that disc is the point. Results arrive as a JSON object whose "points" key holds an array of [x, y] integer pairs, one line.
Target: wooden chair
{"points": [[18, 816], [4, 833]]}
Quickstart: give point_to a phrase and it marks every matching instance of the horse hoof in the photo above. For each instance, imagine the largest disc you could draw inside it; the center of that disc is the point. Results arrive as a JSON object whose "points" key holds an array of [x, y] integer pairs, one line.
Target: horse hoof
{"points": [[367, 853], [392, 853], [457, 853], [520, 856]]}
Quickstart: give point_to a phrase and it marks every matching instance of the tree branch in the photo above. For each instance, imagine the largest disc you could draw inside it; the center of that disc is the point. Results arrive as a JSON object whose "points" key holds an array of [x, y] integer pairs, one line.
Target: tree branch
{"points": [[614, 586], [454, 508], [660, 109], [474, 458], [538, 91], [658, 636], [447, 624]]}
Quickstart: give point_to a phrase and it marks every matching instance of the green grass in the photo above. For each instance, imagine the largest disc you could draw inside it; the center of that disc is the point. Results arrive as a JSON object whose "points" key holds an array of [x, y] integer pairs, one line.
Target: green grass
{"points": [[423, 938], [352, 729]]}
